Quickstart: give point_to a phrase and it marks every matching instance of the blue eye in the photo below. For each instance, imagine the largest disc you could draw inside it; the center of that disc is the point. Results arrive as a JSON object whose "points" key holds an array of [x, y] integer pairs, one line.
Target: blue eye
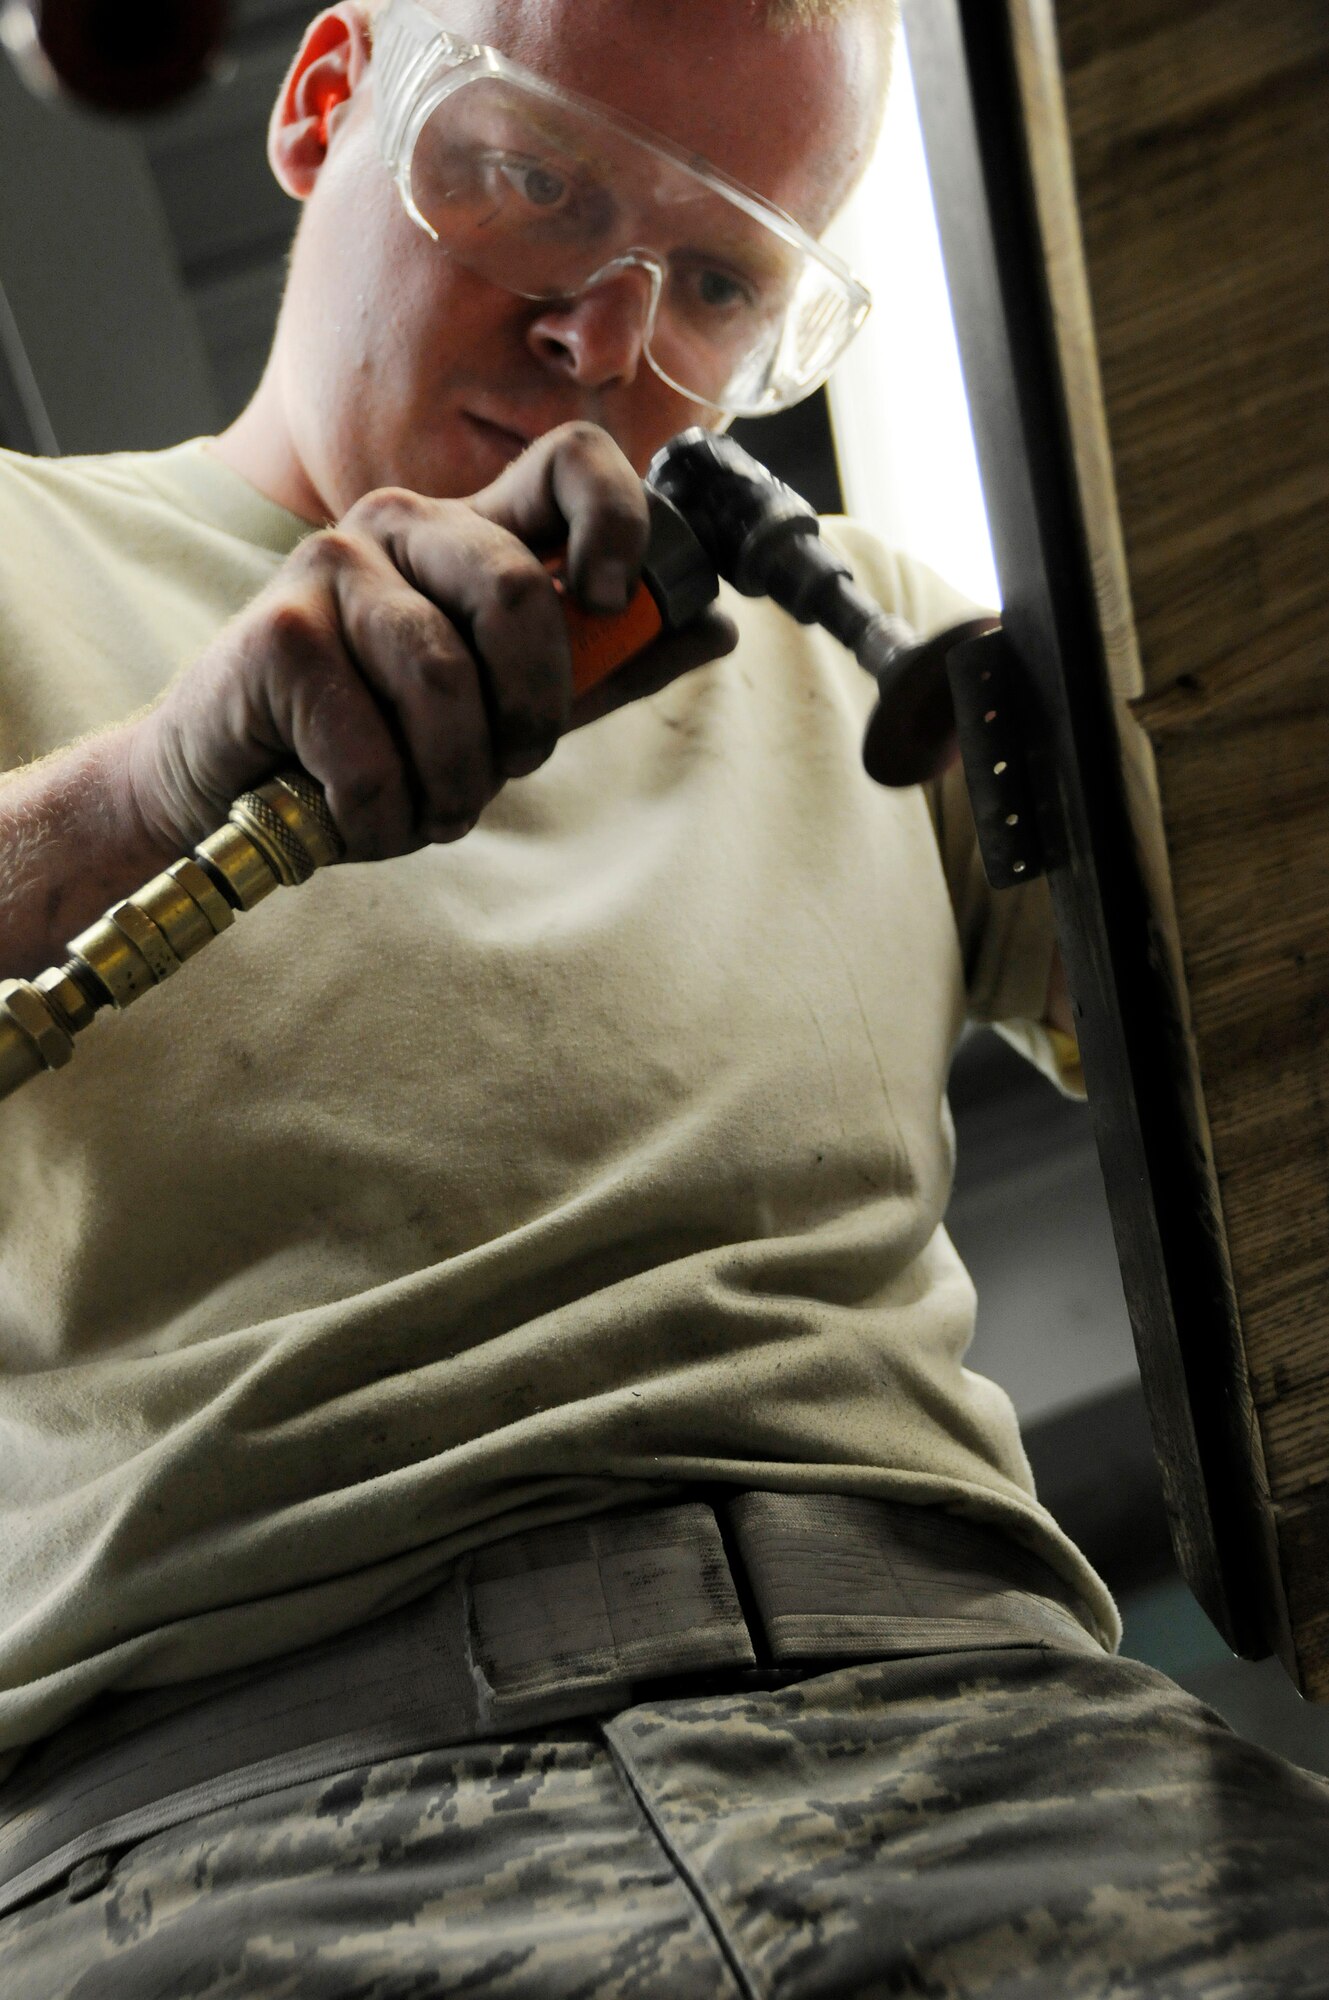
{"points": [[536, 184], [711, 292], [717, 288]]}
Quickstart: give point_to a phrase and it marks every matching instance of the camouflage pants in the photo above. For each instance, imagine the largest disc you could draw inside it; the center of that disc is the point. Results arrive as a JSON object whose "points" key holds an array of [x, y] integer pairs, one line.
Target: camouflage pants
{"points": [[1008, 1823]]}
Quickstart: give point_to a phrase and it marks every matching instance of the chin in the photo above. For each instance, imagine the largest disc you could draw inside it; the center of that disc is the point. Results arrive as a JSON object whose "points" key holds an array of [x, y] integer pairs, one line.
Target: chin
{"points": [[444, 466]]}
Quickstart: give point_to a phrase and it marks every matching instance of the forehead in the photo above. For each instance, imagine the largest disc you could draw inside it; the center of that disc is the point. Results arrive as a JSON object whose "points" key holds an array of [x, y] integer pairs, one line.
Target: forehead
{"points": [[791, 116]]}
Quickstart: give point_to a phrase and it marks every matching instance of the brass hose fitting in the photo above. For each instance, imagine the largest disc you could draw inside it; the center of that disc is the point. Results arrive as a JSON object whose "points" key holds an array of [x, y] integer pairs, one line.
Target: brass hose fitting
{"points": [[274, 836]]}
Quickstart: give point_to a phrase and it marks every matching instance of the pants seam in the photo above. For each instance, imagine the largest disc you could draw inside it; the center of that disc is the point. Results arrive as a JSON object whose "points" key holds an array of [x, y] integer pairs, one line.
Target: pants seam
{"points": [[723, 1944]]}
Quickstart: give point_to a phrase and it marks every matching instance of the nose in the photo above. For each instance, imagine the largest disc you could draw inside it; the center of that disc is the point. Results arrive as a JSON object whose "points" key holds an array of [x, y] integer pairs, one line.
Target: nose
{"points": [[598, 338]]}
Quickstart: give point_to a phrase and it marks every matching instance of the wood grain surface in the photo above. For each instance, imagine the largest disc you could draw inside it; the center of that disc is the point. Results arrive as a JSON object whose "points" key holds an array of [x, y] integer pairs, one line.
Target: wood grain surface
{"points": [[1180, 157]]}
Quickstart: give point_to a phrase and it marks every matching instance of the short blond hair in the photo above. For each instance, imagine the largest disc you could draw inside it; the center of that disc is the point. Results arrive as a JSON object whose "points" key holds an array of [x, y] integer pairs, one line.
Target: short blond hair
{"points": [[785, 16]]}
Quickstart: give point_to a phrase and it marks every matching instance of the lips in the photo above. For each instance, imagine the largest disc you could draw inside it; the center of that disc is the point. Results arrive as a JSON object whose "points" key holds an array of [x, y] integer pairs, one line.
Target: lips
{"points": [[520, 427], [500, 437]]}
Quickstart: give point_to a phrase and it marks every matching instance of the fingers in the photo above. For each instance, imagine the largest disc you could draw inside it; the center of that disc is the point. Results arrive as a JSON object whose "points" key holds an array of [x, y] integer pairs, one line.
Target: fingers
{"points": [[416, 656], [426, 684], [497, 599], [310, 699], [276, 685], [574, 484], [483, 693]]}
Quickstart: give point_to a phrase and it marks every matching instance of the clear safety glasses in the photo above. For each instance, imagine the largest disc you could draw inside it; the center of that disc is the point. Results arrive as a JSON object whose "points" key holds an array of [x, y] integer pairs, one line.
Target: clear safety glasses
{"points": [[547, 195]]}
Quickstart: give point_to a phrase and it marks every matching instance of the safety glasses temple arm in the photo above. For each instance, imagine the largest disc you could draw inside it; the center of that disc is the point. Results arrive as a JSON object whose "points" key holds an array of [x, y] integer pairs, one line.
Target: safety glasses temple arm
{"points": [[409, 43]]}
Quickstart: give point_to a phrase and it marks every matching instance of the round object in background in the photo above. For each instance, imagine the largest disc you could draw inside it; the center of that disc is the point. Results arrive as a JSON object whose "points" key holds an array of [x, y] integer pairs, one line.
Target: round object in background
{"points": [[120, 56]]}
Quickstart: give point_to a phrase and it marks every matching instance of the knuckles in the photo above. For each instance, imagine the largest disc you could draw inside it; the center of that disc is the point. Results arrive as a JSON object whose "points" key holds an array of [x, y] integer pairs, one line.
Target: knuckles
{"points": [[595, 457], [446, 683], [364, 792], [441, 832], [296, 628], [384, 517], [520, 584], [385, 509], [584, 440], [330, 552]]}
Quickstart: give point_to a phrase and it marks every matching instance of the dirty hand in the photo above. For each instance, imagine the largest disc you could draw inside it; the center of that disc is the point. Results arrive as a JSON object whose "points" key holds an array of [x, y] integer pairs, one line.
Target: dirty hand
{"points": [[414, 657]]}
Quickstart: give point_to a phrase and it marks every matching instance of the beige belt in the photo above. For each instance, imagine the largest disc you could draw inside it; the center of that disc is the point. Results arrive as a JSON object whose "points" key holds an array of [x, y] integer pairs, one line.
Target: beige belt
{"points": [[574, 1620]]}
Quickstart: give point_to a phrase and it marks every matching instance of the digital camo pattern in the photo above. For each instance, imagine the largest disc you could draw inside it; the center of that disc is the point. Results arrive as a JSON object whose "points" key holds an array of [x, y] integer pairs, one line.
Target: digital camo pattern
{"points": [[1013, 1825], [513, 1870], [1016, 1825]]}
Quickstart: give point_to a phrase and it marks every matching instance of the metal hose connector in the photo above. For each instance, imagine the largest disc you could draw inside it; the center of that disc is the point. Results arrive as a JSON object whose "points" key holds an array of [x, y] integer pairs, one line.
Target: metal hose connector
{"points": [[278, 834]]}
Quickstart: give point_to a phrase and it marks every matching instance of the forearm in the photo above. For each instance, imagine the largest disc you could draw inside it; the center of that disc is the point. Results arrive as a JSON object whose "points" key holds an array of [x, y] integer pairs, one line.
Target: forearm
{"points": [[72, 842]]}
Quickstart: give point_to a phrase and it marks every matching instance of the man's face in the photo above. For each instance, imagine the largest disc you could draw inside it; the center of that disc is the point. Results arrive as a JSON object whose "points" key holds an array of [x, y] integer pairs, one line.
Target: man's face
{"points": [[400, 367]]}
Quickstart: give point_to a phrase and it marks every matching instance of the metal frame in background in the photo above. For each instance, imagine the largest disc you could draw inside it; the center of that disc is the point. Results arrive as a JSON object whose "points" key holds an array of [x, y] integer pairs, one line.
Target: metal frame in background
{"points": [[24, 422], [1173, 1269]]}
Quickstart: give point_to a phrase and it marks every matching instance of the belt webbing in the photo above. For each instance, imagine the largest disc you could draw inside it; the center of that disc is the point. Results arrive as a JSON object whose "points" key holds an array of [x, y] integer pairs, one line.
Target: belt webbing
{"points": [[542, 1627], [836, 1577]]}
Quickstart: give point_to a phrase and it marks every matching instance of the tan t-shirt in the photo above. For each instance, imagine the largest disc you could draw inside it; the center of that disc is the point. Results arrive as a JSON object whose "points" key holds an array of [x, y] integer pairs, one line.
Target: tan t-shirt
{"points": [[603, 1151]]}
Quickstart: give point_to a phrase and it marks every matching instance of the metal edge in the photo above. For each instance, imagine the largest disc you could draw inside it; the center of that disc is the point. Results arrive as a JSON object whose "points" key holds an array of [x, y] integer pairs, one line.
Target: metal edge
{"points": [[1172, 1269]]}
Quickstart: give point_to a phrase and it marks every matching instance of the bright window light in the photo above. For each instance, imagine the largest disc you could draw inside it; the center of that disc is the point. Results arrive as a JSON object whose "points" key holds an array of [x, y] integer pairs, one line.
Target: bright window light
{"points": [[901, 422]]}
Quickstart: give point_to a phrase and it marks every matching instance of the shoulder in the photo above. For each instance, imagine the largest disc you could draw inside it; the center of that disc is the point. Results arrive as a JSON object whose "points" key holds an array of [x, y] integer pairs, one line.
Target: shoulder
{"points": [[68, 482], [114, 571], [50, 505]]}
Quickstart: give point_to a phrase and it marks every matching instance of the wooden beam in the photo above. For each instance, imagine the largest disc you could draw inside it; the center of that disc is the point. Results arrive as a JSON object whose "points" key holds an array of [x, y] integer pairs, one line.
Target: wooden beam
{"points": [[1199, 150], [1153, 179]]}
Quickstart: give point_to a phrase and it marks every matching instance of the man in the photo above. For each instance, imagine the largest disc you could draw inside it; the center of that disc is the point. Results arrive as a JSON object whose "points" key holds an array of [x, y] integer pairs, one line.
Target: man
{"points": [[496, 1505]]}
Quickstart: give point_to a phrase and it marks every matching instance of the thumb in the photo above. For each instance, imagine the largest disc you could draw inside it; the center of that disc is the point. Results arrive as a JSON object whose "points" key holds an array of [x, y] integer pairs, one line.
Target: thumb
{"points": [[574, 485]]}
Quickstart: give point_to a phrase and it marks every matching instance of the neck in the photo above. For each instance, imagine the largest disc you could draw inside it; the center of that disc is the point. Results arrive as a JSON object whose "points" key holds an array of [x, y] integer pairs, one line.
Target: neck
{"points": [[259, 446]]}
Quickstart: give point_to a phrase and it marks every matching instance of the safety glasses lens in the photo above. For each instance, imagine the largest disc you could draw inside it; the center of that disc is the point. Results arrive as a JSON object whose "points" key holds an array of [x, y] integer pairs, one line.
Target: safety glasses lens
{"points": [[541, 196]]}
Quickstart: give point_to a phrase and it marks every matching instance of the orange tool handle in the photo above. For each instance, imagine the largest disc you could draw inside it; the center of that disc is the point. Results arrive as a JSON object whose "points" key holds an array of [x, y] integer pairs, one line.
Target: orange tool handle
{"points": [[678, 582], [601, 641]]}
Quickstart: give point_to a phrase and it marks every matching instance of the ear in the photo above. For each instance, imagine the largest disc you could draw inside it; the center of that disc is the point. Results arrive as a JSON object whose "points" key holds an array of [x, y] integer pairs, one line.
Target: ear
{"points": [[316, 94]]}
